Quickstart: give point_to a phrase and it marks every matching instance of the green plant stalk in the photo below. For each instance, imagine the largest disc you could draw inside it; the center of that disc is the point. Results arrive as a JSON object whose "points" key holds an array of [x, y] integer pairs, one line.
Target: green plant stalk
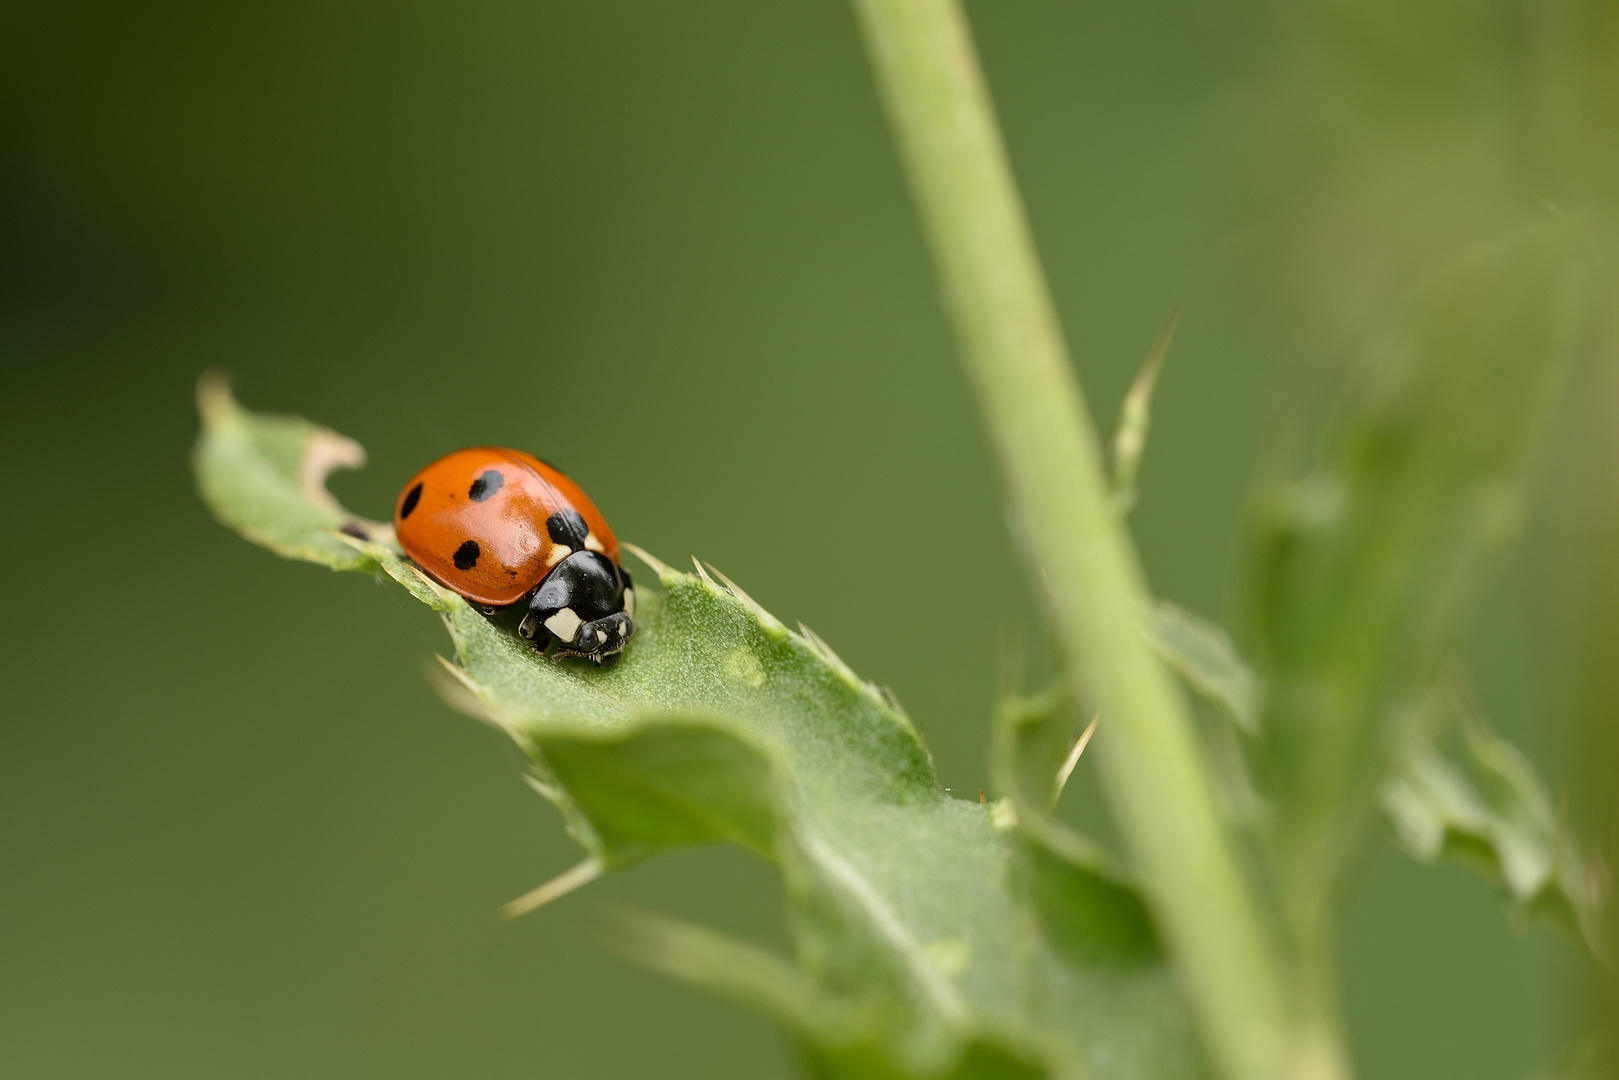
{"points": [[1067, 527]]}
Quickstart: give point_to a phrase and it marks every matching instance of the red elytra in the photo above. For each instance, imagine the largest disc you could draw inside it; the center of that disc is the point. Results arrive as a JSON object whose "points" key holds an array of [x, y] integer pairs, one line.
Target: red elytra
{"points": [[475, 520]]}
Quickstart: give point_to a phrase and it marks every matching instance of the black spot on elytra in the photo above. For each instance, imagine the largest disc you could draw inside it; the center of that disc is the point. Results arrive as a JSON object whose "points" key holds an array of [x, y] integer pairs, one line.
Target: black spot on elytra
{"points": [[567, 527], [466, 556], [485, 486], [410, 502]]}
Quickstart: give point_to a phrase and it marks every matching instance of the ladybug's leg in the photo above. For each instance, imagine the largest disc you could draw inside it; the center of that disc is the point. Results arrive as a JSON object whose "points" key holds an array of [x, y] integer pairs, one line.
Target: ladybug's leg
{"points": [[535, 633], [584, 588]]}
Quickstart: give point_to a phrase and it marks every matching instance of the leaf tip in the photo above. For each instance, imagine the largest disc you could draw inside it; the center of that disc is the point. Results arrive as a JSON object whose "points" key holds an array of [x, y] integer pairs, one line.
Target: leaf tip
{"points": [[459, 691], [702, 574], [665, 572], [215, 402], [555, 889], [820, 648], [770, 624], [1135, 416], [1072, 761], [547, 791], [892, 700]]}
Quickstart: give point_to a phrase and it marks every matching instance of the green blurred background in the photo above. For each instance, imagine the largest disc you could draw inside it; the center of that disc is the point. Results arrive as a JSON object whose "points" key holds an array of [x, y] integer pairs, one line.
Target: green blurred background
{"points": [[667, 246]]}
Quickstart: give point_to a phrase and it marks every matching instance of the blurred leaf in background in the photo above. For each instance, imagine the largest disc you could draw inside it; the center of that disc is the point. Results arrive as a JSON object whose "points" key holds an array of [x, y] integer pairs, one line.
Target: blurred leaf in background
{"points": [[1492, 809], [1364, 572]]}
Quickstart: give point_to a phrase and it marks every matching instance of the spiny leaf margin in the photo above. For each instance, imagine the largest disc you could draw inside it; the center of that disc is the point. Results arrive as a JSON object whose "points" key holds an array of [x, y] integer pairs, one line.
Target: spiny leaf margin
{"points": [[915, 915]]}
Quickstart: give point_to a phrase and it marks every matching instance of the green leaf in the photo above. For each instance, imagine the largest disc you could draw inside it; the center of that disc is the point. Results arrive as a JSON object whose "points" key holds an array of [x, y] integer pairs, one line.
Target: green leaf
{"points": [[836, 1040], [1202, 654], [265, 477], [1033, 738], [931, 940], [1087, 904], [667, 784], [1490, 810], [1364, 572]]}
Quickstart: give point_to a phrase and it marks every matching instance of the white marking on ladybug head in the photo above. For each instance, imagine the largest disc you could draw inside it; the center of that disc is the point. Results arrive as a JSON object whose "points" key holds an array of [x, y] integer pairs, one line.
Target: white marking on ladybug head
{"points": [[629, 602], [558, 553], [564, 624], [593, 544]]}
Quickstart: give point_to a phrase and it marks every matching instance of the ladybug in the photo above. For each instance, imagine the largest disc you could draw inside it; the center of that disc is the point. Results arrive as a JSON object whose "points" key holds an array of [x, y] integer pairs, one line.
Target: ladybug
{"points": [[504, 529]]}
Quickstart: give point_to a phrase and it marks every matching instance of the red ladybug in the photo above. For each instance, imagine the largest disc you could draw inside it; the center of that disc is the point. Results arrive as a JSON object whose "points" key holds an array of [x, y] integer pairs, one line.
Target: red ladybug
{"points": [[503, 528]]}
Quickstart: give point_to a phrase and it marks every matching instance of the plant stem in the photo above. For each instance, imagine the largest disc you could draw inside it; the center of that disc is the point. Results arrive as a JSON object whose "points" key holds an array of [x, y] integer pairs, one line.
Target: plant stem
{"points": [[1069, 532]]}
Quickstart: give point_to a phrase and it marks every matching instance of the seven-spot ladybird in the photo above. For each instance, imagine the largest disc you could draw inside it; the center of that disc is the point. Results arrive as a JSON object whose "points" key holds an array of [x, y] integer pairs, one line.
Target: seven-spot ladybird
{"points": [[503, 528]]}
